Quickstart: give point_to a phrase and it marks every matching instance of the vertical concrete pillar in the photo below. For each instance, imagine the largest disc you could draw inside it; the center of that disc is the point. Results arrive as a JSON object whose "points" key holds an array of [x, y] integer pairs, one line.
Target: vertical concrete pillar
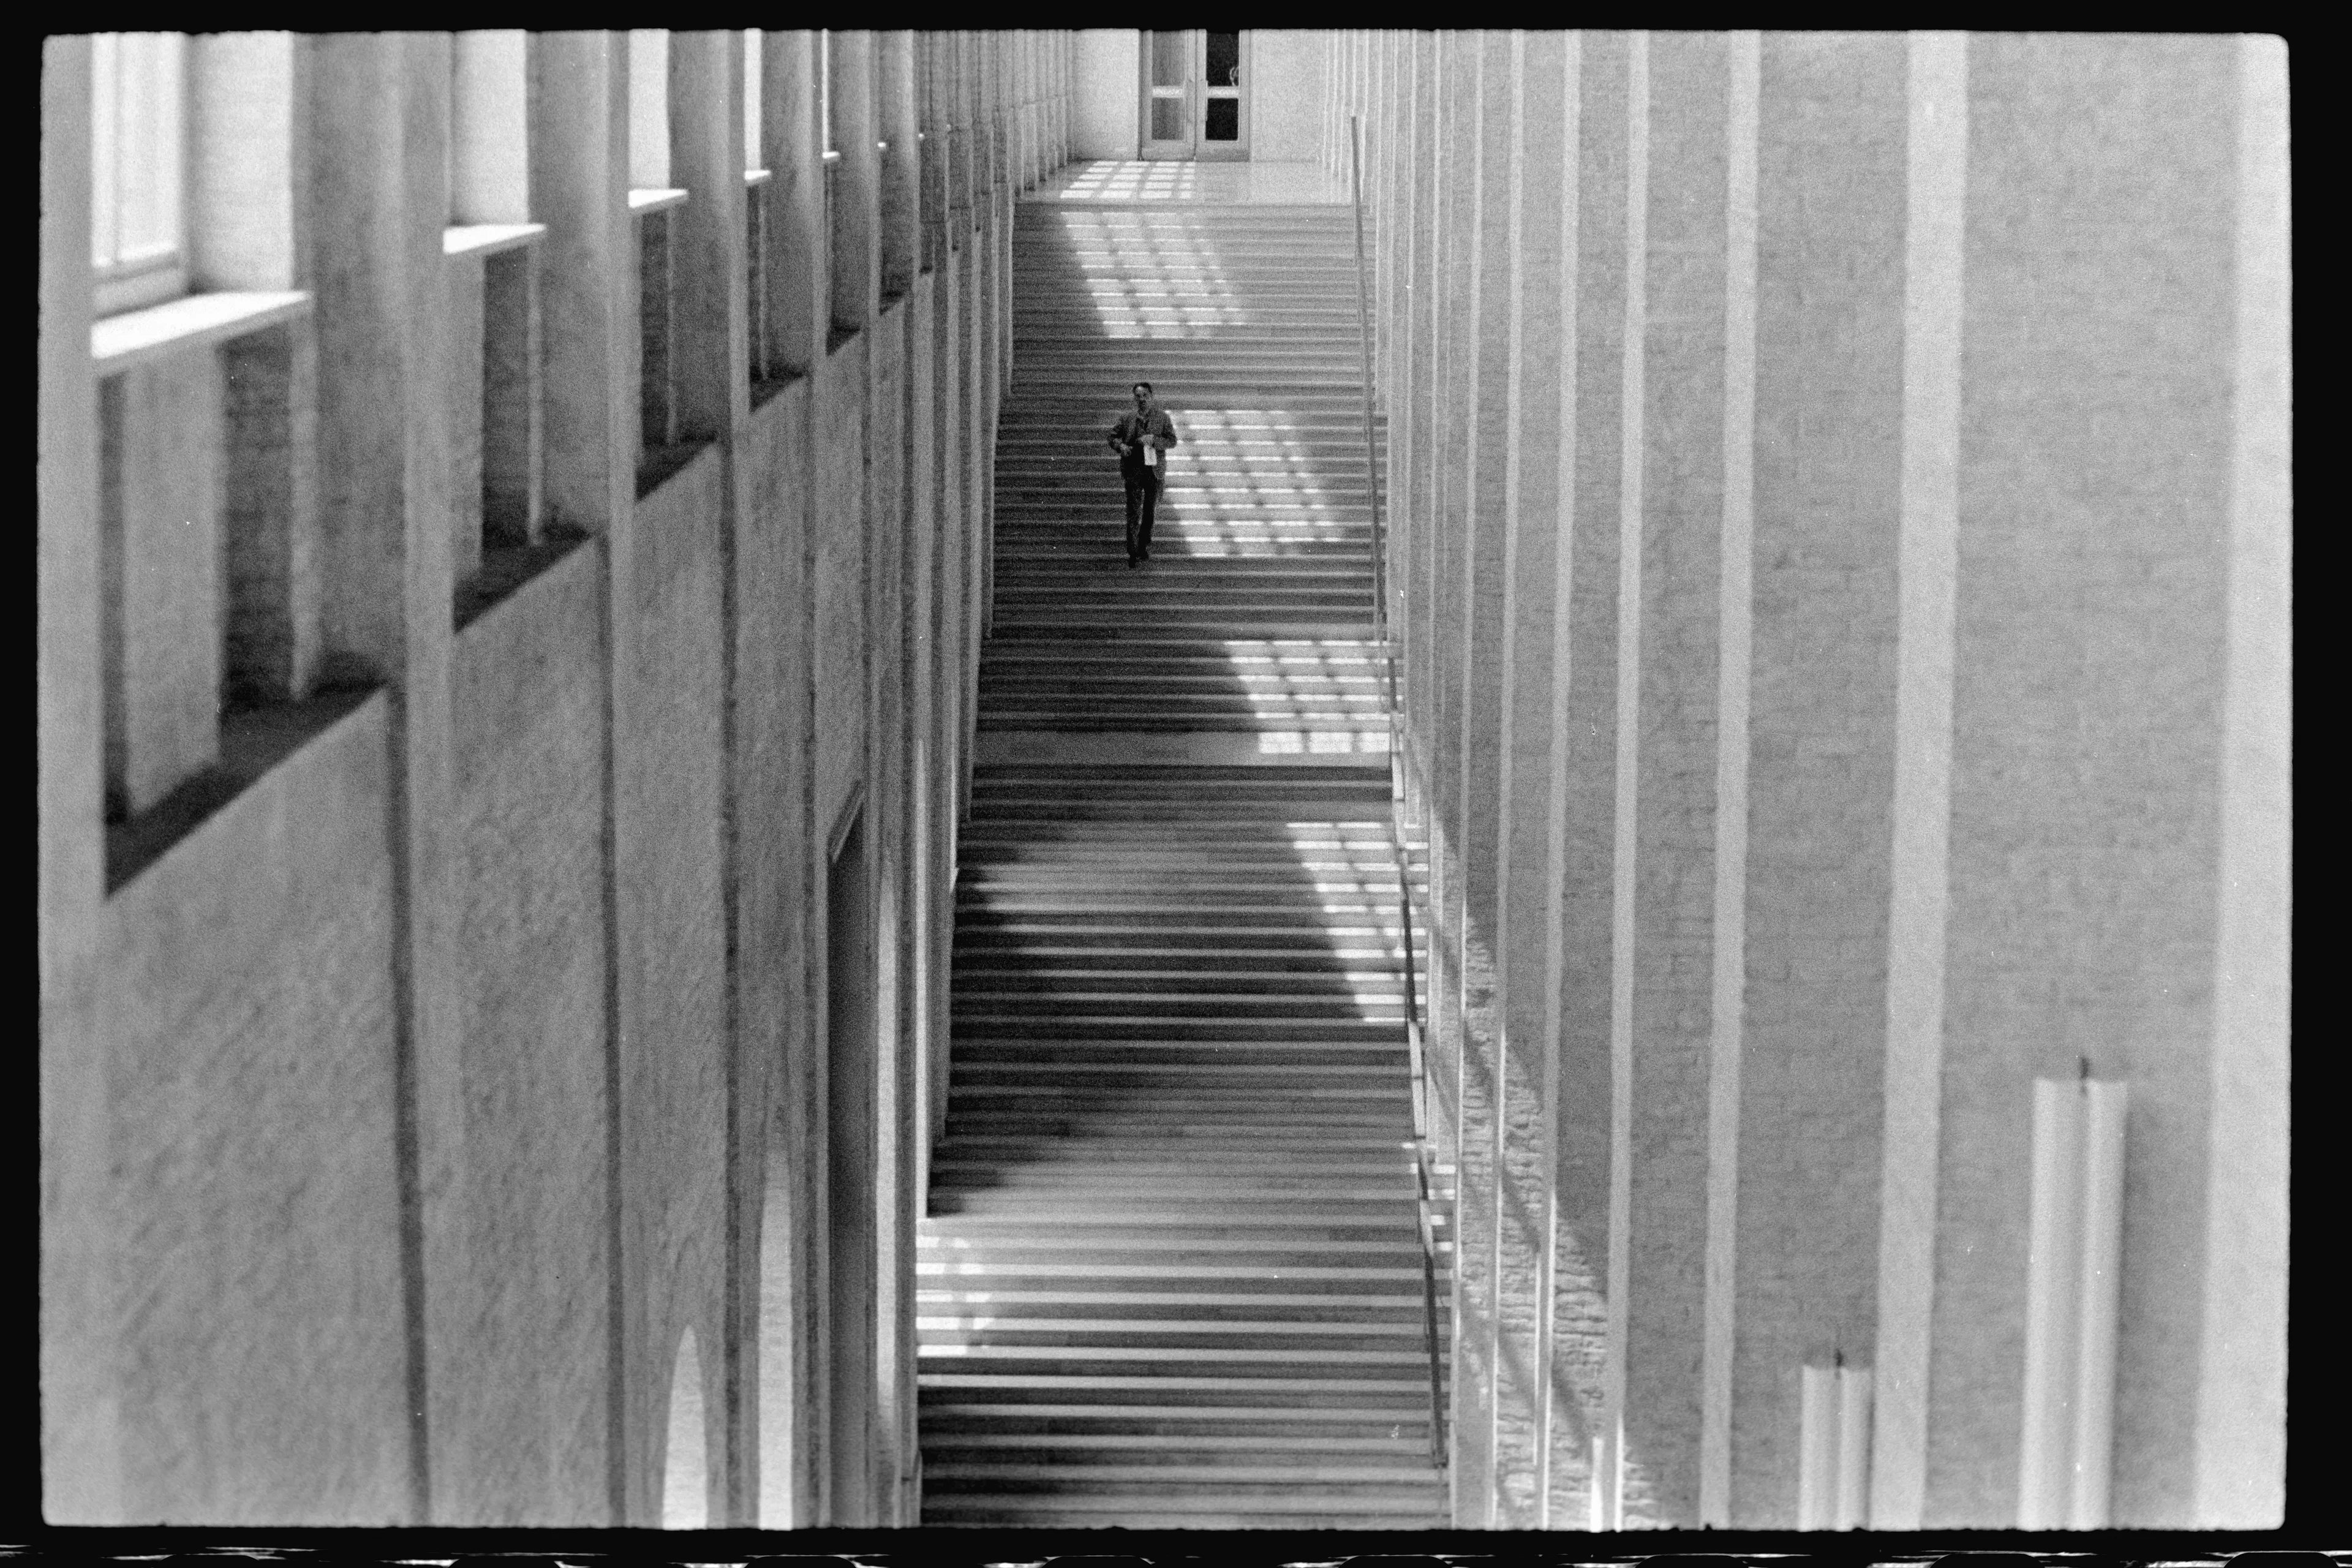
{"points": [[708, 156], [1571, 1008], [2241, 1459], [1417, 409], [902, 214], [1453, 326], [856, 194], [383, 439], [1669, 611], [1538, 438], [2090, 674], [1006, 191], [1919, 807], [82, 1459], [1799, 1233], [580, 182], [1735, 642], [1478, 650], [791, 149], [781, 995]]}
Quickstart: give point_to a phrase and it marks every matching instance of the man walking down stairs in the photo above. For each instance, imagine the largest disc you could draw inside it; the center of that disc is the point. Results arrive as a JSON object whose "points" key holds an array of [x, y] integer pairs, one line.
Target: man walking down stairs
{"points": [[1142, 439], [1177, 1269]]}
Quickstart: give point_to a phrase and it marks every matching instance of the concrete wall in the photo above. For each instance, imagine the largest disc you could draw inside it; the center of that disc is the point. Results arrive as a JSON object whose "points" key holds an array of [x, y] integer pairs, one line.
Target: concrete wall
{"points": [[1285, 103], [1835, 701], [435, 1042], [1104, 106]]}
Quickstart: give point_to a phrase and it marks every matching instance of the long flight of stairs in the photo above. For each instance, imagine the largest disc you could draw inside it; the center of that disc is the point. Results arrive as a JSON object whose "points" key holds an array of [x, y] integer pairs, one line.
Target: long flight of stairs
{"points": [[1175, 1268]]}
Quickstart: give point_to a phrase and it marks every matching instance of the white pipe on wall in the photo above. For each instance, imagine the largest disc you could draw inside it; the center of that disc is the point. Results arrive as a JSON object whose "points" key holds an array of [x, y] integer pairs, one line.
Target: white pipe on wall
{"points": [[2096, 1299], [1851, 1508], [2074, 1250], [1833, 1447], [2045, 1444], [1817, 1447]]}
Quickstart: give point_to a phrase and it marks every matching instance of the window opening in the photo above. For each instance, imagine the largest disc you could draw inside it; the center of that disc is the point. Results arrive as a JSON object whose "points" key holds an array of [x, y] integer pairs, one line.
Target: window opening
{"points": [[138, 168]]}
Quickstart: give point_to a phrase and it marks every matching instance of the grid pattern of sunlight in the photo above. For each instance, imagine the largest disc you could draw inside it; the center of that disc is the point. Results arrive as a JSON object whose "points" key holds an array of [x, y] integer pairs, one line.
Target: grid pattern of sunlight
{"points": [[1117, 181], [1147, 279], [1131, 180]]}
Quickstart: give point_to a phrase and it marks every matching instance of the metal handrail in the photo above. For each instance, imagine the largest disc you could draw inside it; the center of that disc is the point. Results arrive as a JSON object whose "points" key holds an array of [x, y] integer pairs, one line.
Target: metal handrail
{"points": [[1437, 1443]]}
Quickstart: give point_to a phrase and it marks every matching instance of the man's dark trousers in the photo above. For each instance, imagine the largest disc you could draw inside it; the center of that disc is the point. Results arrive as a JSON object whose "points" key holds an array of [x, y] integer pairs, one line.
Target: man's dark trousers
{"points": [[1142, 498]]}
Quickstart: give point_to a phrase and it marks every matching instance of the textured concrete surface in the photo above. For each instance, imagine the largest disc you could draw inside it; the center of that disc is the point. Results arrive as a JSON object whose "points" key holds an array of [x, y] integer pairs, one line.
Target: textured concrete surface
{"points": [[1829, 340], [1670, 944], [259, 1360], [1486, 437], [528, 712], [2085, 711], [1538, 448], [1586, 789], [466, 1052]]}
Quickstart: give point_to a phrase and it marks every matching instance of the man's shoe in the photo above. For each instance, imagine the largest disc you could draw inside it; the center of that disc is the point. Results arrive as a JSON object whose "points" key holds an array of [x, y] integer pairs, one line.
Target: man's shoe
{"points": [[1133, 562]]}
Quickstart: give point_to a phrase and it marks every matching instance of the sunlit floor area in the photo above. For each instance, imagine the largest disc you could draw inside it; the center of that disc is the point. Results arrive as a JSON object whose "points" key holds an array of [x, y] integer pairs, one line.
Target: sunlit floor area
{"points": [[1113, 180]]}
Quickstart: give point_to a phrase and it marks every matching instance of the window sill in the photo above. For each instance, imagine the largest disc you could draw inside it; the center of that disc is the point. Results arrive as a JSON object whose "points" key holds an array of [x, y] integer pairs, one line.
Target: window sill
{"points": [[488, 238], [190, 322], [644, 199]]}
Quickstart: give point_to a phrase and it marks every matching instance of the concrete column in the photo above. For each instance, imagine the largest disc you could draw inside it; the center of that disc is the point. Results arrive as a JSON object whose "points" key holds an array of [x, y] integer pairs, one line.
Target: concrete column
{"points": [[1794, 1222], [81, 1457], [1389, 208], [1664, 910], [1573, 988], [579, 182], [1416, 407], [856, 247], [2091, 670], [1453, 325], [1472, 869], [1539, 451], [384, 441], [792, 148], [930, 95], [2241, 1461], [902, 217], [1735, 641], [1919, 847], [1007, 189], [707, 156]]}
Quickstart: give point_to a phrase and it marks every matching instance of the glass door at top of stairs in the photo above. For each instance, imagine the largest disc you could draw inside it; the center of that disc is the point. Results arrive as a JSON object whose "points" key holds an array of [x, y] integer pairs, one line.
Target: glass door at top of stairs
{"points": [[1195, 95]]}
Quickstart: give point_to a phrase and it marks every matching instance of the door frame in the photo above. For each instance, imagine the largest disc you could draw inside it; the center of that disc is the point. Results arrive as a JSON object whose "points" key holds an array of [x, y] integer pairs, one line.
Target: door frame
{"points": [[1194, 147]]}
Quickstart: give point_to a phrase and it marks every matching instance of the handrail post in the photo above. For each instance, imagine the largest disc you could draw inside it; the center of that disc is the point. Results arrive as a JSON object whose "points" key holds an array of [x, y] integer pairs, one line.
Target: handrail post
{"points": [[1437, 1443]]}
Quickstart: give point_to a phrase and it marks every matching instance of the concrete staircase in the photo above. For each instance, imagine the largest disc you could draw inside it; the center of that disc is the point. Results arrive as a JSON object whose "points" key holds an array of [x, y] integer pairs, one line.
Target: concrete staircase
{"points": [[1174, 1273]]}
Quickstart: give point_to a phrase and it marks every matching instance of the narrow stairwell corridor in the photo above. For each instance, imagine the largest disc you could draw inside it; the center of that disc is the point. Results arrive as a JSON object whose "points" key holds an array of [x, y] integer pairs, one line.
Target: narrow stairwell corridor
{"points": [[1177, 1270]]}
